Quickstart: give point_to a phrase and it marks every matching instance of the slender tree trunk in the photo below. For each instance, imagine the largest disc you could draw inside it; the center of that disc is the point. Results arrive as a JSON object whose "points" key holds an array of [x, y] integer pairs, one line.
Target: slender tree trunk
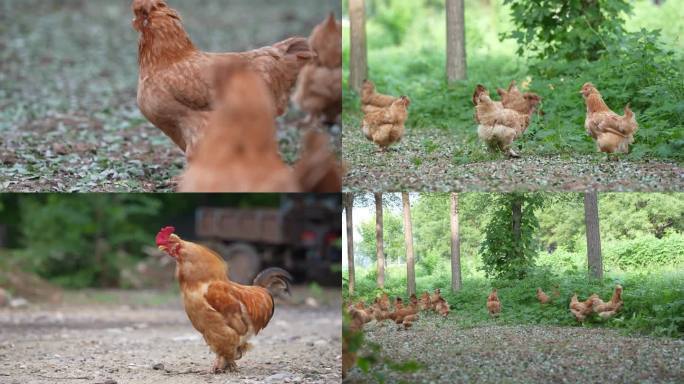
{"points": [[378, 240], [591, 220], [456, 52], [455, 246], [516, 212], [358, 65], [408, 237], [348, 207]]}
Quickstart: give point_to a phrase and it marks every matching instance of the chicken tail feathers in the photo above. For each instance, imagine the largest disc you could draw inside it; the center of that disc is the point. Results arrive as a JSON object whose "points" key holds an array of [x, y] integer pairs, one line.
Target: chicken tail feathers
{"points": [[275, 280]]}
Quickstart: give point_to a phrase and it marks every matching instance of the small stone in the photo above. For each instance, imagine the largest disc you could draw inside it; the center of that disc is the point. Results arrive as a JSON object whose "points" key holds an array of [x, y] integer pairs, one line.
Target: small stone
{"points": [[18, 302], [311, 302], [158, 367]]}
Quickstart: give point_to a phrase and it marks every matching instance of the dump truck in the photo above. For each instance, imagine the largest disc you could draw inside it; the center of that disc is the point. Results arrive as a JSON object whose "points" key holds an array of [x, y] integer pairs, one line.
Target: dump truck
{"points": [[303, 236]]}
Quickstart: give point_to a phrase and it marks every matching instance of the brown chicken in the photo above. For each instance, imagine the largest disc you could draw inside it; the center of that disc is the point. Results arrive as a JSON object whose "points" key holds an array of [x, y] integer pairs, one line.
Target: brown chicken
{"points": [[404, 315], [227, 314], [542, 297], [351, 335], [371, 100], [435, 297], [413, 299], [499, 126], [493, 303], [609, 309], [442, 307], [319, 88], [381, 307], [512, 98], [318, 169], [581, 309], [425, 304], [612, 132], [385, 126], [240, 153], [175, 89]]}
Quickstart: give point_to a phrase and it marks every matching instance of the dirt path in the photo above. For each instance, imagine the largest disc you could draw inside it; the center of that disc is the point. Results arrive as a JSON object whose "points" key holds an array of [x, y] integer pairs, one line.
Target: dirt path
{"points": [[436, 160], [525, 354], [125, 343]]}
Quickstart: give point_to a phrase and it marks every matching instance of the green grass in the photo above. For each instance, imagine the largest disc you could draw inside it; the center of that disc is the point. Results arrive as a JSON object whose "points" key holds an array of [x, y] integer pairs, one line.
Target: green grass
{"points": [[654, 298]]}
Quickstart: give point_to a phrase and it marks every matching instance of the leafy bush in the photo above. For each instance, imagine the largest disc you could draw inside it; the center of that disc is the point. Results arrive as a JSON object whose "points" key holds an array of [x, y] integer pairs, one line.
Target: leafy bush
{"points": [[645, 251], [502, 254], [81, 241], [568, 29]]}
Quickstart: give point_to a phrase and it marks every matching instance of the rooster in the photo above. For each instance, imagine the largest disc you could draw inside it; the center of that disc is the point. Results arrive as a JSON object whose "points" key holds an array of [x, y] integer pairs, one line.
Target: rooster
{"points": [[612, 132], [227, 314], [175, 89]]}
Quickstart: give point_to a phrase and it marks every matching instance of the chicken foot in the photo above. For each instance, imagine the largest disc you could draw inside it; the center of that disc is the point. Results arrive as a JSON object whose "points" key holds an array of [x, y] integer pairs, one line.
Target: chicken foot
{"points": [[221, 364]]}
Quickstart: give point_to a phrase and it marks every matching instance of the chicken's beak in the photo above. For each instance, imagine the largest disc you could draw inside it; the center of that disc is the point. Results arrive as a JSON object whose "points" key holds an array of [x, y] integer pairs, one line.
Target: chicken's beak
{"points": [[162, 248]]}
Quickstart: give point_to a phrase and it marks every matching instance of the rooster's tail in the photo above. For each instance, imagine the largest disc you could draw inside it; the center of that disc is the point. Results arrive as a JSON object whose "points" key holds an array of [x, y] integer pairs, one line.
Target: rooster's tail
{"points": [[276, 280]]}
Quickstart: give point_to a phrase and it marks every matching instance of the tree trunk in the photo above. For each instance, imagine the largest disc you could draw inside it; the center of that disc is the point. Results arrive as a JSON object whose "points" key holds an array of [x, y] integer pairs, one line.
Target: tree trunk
{"points": [[455, 246], [456, 52], [516, 212], [591, 220], [348, 207], [408, 237], [358, 64], [378, 240]]}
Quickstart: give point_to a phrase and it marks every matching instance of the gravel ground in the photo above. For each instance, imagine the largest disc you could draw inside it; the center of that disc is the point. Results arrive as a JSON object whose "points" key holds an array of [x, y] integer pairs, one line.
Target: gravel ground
{"points": [[95, 343], [525, 354], [436, 160]]}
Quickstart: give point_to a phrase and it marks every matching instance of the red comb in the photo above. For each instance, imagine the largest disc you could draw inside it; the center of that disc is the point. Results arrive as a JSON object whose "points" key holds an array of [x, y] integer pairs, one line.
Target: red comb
{"points": [[163, 235]]}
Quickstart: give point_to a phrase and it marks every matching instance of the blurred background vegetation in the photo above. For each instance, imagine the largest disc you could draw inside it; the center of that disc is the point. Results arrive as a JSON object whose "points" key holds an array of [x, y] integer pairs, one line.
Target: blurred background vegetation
{"points": [[631, 50], [642, 241], [107, 240]]}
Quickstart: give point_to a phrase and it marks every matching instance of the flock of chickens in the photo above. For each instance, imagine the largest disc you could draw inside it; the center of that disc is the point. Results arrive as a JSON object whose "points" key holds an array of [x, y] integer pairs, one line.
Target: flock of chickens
{"points": [[405, 316], [221, 108], [500, 123]]}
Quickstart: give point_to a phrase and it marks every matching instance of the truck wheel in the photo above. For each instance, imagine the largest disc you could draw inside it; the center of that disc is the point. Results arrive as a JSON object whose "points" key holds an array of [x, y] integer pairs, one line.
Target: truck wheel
{"points": [[243, 261]]}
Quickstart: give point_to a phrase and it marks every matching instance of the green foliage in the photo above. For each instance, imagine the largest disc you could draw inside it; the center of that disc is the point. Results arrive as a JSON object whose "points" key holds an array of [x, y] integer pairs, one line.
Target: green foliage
{"points": [[653, 298], [645, 251], [566, 29], [80, 241], [393, 238], [632, 66], [506, 254]]}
